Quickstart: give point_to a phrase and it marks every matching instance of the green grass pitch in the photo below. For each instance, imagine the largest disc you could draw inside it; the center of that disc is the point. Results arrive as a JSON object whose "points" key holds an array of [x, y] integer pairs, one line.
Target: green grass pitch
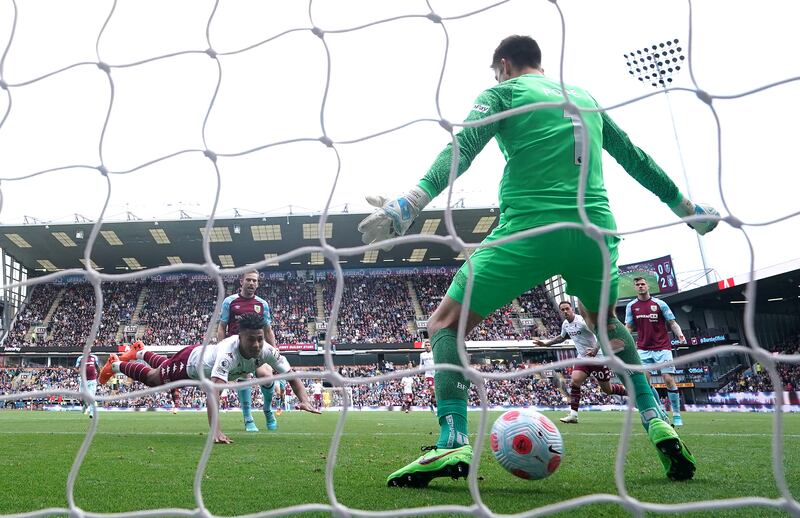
{"points": [[627, 289], [147, 460]]}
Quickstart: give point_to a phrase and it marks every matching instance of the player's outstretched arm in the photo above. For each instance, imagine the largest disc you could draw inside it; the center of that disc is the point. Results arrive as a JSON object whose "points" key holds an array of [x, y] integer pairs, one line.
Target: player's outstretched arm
{"points": [[685, 208], [393, 216], [302, 396], [219, 437], [642, 168], [554, 341]]}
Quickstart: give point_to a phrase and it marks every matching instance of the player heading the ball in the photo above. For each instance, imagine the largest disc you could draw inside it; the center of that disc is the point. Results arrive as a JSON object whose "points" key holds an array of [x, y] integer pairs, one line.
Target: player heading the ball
{"points": [[240, 354], [546, 151]]}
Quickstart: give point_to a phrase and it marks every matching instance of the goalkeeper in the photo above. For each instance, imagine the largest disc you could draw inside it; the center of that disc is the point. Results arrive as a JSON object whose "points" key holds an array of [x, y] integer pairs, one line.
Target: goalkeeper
{"points": [[544, 151]]}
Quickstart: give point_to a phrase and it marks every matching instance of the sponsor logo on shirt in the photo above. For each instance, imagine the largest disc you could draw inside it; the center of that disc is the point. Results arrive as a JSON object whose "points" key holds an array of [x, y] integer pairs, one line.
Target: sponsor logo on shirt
{"points": [[481, 108]]}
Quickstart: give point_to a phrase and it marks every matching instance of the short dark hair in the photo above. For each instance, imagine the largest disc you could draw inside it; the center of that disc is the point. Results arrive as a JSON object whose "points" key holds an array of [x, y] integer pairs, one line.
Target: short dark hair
{"points": [[639, 279], [519, 50], [251, 321], [568, 303]]}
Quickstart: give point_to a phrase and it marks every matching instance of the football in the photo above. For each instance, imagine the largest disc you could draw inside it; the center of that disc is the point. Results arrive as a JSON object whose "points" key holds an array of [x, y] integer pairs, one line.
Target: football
{"points": [[527, 444]]}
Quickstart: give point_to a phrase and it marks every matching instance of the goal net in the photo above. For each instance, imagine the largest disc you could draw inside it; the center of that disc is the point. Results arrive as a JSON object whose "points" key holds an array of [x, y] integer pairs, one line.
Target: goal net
{"points": [[110, 109]]}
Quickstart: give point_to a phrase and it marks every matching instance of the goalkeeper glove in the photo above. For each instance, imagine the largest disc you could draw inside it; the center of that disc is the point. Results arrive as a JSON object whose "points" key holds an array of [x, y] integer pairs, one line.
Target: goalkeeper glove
{"points": [[685, 208], [393, 216]]}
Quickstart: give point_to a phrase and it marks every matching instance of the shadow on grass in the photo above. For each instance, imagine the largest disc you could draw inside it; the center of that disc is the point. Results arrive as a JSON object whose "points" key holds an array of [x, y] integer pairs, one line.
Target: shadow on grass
{"points": [[491, 492], [658, 482]]}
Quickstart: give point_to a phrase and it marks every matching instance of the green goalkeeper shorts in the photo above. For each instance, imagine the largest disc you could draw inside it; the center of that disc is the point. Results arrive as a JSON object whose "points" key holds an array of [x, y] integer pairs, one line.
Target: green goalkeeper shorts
{"points": [[503, 272]]}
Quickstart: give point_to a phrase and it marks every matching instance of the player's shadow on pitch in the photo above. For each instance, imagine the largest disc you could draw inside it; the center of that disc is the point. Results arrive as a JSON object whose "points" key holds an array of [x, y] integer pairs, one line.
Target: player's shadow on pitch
{"points": [[658, 482]]}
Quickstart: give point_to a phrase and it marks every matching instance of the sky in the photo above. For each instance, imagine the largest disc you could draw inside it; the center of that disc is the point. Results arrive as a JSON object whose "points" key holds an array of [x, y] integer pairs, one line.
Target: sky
{"points": [[268, 85]]}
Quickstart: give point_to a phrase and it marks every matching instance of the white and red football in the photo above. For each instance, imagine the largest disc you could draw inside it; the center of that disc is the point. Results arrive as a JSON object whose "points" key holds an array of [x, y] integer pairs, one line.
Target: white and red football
{"points": [[527, 444]]}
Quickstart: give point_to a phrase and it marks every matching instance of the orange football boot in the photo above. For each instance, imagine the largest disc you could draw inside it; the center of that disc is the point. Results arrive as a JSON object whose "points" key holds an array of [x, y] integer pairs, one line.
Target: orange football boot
{"points": [[130, 354], [108, 370]]}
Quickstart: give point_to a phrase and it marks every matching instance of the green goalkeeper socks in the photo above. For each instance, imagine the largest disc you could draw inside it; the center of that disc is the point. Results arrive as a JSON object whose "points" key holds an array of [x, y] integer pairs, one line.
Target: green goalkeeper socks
{"points": [[452, 389], [452, 424], [655, 395], [648, 405]]}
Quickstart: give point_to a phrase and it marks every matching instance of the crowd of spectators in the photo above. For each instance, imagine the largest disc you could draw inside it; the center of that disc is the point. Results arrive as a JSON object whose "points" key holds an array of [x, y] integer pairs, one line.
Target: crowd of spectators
{"points": [[500, 325], [119, 303], [33, 312], [374, 309], [292, 303], [71, 322], [429, 290], [177, 312], [23, 380], [536, 304], [513, 391], [756, 379], [497, 326], [6, 378]]}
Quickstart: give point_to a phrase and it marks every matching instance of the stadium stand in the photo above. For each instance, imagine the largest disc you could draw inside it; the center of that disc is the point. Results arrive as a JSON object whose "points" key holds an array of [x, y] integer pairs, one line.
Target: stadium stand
{"points": [[501, 324], [521, 391], [33, 313], [429, 290], [177, 312], [375, 309], [291, 301], [497, 326], [757, 380]]}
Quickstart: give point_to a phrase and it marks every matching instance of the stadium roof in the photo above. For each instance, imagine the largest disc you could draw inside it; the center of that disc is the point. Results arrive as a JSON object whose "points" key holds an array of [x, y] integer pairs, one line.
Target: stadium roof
{"points": [[132, 245], [777, 294]]}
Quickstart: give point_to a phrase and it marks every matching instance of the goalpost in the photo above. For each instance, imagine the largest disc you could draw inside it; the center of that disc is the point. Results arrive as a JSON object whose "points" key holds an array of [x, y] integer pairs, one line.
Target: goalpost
{"points": [[108, 80]]}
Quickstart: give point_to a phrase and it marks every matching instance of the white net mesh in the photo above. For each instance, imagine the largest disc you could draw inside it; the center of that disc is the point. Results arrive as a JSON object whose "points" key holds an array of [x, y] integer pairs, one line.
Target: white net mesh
{"points": [[116, 106]]}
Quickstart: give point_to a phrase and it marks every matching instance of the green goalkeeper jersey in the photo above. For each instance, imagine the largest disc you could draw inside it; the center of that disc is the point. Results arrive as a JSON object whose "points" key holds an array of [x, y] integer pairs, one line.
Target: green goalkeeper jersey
{"points": [[543, 149]]}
